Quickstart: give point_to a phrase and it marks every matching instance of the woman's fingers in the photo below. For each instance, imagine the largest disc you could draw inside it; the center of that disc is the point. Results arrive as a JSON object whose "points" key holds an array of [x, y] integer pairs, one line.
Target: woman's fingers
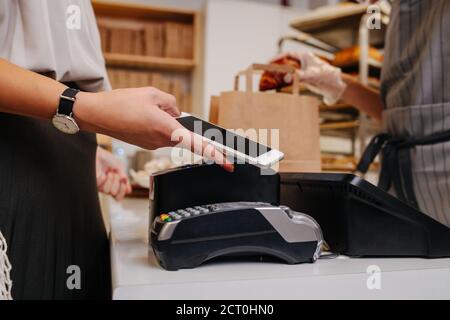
{"points": [[118, 166], [99, 172], [106, 187], [101, 179], [200, 146], [111, 176], [123, 190], [128, 187], [115, 185], [165, 101], [211, 153]]}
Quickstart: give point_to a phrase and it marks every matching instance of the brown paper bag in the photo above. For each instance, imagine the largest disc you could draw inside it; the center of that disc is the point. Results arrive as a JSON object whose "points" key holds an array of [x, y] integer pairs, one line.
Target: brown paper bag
{"points": [[295, 116]]}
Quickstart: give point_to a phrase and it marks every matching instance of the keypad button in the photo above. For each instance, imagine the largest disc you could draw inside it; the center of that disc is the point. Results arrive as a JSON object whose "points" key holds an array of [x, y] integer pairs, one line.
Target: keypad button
{"points": [[201, 209], [165, 217], [188, 212]]}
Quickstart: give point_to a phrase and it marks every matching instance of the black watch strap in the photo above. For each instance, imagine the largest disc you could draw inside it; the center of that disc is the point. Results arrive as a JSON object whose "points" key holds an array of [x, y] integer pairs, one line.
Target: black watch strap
{"points": [[67, 99]]}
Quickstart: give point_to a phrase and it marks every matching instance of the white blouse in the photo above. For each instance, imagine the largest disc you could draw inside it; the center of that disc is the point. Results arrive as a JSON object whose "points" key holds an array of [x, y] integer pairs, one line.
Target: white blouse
{"points": [[56, 38]]}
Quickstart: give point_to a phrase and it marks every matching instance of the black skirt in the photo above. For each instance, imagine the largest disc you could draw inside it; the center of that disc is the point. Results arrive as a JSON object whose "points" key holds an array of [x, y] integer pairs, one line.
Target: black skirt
{"points": [[50, 213]]}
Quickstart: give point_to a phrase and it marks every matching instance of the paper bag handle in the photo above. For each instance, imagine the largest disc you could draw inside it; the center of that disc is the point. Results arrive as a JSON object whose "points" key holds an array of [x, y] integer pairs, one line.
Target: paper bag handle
{"points": [[258, 68]]}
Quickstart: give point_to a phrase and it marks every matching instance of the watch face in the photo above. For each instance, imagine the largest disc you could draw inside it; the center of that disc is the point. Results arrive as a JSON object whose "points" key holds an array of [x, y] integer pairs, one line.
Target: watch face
{"points": [[65, 124]]}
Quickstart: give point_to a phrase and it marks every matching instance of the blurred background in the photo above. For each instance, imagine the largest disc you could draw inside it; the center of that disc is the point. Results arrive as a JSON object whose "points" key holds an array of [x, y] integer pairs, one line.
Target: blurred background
{"points": [[194, 49]]}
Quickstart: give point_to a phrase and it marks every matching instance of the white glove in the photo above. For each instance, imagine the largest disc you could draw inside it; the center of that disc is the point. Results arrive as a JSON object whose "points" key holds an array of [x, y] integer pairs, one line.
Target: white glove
{"points": [[320, 77]]}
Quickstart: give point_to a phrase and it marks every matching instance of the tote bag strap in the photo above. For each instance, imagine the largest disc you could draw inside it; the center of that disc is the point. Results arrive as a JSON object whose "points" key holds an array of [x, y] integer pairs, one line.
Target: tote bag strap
{"points": [[257, 68]]}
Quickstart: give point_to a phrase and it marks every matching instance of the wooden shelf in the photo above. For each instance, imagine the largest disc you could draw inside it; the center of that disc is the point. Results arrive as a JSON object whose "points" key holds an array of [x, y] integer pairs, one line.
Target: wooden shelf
{"points": [[141, 12], [338, 163], [347, 168], [337, 25], [355, 64], [329, 16], [179, 74], [343, 164], [130, 60], [339, 133], [340, 125], [336, 107]]}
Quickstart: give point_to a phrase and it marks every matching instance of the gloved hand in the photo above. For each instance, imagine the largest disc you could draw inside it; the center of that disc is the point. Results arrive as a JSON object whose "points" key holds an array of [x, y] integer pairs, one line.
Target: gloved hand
{"points": [[320, 77]]}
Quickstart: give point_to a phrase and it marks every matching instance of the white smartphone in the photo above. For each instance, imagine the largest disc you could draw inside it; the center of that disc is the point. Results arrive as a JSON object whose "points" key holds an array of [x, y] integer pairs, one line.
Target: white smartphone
{"points": [[231, 143]]}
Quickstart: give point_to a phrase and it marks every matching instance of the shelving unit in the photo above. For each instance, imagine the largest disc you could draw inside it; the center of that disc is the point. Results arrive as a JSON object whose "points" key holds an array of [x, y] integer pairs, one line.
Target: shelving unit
{"points": [[179, 69], [337, 25], [181, 76], [340, 27], [326, 17], [134, 62]]}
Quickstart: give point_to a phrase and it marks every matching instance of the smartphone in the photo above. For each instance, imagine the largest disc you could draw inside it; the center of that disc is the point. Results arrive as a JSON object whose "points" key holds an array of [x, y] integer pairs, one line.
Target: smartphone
{"points": [[231, 143]]}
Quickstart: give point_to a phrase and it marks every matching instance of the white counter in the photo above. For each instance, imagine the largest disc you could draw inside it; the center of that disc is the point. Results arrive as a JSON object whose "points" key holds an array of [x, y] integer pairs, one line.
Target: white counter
{"points": [[136, 274]]}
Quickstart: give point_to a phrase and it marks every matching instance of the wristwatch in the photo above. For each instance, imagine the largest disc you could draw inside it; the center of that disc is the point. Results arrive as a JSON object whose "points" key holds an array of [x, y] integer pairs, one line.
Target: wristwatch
{"points": [[63, 119]]}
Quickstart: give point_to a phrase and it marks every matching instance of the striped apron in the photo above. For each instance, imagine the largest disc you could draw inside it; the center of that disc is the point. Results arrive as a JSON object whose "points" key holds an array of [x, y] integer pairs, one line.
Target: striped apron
{"points": [[416, 93]]}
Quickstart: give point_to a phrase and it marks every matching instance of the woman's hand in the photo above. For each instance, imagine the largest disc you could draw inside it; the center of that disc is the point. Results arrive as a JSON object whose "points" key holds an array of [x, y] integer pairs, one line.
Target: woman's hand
{"points": [[111, 177], [320, 77], [141, 116], [328, 81]]}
